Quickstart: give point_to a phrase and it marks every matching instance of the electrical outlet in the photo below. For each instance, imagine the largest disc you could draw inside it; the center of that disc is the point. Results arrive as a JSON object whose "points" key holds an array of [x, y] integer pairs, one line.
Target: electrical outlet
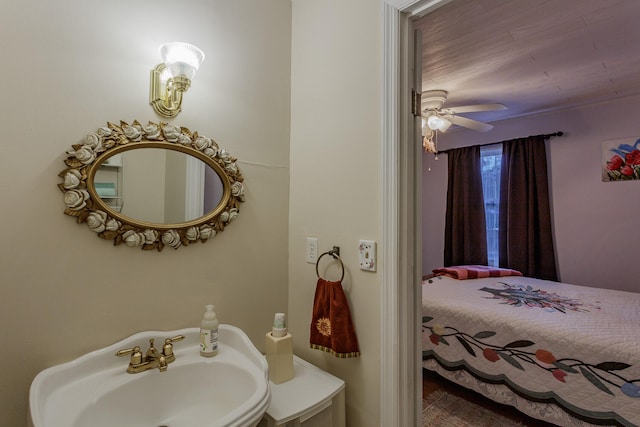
{"points": [[367, 251], [312, 250]]}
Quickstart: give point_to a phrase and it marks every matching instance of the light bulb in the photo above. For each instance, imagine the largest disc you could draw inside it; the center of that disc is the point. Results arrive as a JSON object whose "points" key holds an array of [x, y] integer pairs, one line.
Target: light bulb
{"points": [[438, 123], [434, 122]]}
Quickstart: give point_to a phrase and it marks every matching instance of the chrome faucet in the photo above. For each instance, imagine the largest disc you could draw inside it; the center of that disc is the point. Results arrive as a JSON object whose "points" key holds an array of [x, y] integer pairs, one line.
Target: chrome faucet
{"points": [[152, 358]]}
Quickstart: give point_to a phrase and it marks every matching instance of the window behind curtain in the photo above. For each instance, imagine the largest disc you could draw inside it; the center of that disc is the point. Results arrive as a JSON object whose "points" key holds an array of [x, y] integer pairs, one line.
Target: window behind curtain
{"points": [[491, 161]]}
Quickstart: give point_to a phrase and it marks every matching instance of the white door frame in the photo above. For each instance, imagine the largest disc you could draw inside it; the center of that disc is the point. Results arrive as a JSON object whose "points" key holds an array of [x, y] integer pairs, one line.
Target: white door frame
{"points": [[400, 370], [194, 188]]}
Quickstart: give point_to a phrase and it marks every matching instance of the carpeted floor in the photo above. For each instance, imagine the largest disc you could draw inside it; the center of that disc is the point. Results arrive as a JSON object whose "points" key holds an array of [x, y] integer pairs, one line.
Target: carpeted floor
{"points": [[441, 408]]}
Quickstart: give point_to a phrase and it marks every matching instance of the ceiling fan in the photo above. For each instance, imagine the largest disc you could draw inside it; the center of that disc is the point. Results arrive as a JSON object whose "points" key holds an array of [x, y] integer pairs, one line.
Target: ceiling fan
{"points": [[439, 118]]}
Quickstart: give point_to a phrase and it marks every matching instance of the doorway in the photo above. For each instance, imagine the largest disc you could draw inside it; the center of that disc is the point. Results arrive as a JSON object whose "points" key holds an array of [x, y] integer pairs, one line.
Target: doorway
{"points": [[401, 371]]}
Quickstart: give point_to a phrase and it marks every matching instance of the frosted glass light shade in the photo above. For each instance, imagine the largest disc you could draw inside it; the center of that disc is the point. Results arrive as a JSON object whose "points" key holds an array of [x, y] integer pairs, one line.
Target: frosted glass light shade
{"points": [[438, 123], [181, 59]]}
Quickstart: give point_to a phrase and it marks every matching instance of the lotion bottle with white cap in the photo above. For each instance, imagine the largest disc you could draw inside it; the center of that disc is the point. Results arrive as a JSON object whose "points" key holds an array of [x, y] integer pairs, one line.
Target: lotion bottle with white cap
{"points": [[279, 351], [209, 333]]}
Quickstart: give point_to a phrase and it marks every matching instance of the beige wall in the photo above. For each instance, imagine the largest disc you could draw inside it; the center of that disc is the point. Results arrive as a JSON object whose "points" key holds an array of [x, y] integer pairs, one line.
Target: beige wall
{"points": [[335, 191], [68, 68]]}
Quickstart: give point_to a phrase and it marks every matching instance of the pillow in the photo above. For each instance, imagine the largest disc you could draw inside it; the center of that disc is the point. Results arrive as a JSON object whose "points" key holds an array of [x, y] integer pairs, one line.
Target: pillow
{"points": [[462, 272]]}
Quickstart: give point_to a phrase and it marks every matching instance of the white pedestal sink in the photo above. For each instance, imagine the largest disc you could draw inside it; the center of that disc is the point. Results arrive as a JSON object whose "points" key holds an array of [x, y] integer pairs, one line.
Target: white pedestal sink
{"points": [[229, 389]]}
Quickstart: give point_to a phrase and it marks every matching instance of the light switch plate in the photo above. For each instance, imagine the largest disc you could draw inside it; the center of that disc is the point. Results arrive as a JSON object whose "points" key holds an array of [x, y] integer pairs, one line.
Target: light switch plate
{"points": [[312, 250], [367, 250]]}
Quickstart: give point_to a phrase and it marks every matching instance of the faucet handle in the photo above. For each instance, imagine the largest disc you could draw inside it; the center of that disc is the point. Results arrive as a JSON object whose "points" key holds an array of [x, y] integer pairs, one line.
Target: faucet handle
{"points": [[136, 354], [152, 352], [176, 338], [167, 349]]}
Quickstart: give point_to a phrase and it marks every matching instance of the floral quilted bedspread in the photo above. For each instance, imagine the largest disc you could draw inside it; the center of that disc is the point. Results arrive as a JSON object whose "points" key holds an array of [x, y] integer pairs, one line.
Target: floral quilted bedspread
{"points": [[577, 345]]}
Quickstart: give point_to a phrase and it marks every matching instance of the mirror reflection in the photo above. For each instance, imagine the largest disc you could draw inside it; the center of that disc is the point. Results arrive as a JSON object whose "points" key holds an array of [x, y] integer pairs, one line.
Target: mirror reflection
{"points": [[158, 186]]}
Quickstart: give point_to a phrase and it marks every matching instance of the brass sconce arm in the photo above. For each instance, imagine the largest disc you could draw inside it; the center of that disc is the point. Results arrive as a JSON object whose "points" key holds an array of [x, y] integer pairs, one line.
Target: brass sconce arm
{"points": [[172, 78], [165, 96]]}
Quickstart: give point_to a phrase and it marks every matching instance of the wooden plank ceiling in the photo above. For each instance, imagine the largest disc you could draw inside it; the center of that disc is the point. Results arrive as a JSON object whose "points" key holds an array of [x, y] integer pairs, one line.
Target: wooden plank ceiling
{"points": [[531, 55]]}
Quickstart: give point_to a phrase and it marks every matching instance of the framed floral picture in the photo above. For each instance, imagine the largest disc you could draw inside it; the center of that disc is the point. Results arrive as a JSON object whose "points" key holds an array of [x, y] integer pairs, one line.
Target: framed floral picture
{"points": [[621, 160]]}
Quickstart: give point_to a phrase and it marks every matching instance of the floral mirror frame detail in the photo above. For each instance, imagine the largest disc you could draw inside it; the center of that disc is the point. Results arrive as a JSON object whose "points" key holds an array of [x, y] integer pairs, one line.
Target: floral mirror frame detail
{"points": [[83, 202]]}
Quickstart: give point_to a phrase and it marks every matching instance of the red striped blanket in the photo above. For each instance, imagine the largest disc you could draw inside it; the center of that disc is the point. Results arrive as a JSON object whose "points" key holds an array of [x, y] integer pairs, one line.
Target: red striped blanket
{"points": [[462, 272]]}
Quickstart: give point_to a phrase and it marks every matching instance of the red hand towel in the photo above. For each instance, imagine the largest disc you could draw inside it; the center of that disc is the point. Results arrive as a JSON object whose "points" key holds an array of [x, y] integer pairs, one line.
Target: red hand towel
{"points": [[331, 326]]}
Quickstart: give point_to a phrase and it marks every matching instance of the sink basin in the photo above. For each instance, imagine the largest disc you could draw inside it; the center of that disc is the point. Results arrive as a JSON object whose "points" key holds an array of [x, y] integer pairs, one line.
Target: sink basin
{"points": [[229, 389]]}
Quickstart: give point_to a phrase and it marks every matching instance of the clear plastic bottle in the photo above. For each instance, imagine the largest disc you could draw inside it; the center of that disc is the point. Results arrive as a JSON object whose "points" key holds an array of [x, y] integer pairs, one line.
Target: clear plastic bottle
{"points": [[209, 332]]}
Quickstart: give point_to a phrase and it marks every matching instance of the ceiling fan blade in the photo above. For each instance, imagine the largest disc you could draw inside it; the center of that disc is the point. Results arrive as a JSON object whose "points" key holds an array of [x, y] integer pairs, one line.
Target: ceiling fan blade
{"points": [[468, 123], [475, 108]]}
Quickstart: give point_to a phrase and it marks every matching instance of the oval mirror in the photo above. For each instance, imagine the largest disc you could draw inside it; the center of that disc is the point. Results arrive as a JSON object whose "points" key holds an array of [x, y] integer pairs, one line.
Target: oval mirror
{"points": [[151, 186]]}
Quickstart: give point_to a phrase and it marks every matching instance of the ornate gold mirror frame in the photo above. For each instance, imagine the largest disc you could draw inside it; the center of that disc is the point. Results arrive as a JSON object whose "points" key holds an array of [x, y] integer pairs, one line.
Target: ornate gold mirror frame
{"points": [[83, 202]]}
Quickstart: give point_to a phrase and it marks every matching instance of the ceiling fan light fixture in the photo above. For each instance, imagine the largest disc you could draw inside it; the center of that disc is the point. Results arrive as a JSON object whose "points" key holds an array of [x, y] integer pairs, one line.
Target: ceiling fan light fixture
{"points": [[438, 123], [439, 118]]}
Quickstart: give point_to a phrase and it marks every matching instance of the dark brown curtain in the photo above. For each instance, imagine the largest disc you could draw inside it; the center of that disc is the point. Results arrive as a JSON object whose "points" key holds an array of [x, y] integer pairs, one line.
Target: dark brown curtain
{"points": [[465, 227], [526, 239]]}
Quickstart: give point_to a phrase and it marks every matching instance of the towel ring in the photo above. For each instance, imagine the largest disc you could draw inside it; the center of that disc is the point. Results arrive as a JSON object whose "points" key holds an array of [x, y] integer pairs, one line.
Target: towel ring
{"points": [[335, 253]]}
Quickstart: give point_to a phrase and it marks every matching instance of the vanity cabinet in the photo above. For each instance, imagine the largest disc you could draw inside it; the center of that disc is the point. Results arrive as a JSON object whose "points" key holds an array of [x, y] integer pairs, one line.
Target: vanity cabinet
{"points": [[313, 398]]}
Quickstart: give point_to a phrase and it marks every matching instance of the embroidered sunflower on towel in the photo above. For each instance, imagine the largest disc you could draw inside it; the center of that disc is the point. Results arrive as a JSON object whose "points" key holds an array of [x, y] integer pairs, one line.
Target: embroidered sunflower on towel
{"points": [[323, 325]]}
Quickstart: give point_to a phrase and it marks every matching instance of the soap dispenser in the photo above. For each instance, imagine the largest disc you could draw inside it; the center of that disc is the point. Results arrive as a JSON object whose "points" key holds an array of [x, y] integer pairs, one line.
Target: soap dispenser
{"points": [[209, 332], [279, 351]]}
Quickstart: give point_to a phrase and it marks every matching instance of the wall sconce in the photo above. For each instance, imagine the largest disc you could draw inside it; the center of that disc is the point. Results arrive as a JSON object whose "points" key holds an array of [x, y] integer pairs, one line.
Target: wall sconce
{"points": [[172, 78]]}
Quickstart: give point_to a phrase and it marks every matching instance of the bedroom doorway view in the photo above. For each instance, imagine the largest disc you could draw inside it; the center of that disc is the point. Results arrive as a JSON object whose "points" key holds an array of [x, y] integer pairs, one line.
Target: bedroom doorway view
{"points": [[557, 89]]}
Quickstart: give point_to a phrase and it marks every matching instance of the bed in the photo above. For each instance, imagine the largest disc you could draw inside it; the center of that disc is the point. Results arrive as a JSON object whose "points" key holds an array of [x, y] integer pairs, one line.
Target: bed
{"points": [[563, 353]]}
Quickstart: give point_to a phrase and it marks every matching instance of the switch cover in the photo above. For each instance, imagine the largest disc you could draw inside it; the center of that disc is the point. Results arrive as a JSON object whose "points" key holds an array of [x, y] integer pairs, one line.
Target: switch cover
{"points": [[312, 250], [367, 250]]}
